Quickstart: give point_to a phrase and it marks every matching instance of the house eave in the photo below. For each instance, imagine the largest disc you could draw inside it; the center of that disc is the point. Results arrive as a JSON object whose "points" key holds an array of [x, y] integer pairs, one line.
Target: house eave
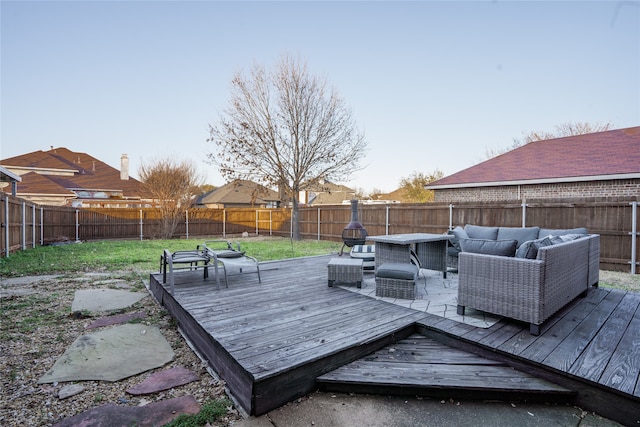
{"points": [[535, 181]]}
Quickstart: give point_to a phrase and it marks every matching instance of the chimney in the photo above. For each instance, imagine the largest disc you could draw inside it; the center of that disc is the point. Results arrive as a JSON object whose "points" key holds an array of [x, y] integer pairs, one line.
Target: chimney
{"points": [[124, 167]]}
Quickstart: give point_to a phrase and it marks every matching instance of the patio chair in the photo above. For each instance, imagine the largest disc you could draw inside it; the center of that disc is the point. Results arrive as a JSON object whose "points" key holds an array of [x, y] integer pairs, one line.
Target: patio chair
{"points": [[195, 259], [223, 255]]}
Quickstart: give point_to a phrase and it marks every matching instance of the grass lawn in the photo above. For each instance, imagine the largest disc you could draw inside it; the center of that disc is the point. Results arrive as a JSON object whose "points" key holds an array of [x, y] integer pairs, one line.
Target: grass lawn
{"points": [[136, 255]]}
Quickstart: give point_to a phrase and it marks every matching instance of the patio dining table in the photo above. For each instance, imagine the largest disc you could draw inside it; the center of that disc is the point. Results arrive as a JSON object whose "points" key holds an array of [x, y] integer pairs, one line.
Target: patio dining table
{"points": [[430, 249]]}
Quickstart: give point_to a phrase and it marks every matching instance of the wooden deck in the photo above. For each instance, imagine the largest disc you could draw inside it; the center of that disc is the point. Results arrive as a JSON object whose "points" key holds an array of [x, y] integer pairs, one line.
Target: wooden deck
{"points": [[271, 341]]}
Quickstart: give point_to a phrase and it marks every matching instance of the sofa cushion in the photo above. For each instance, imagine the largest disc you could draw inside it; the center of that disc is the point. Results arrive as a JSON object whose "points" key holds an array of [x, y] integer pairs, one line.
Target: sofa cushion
{"points": [[529, 249], [521, 234], [402, 271], [481, 232], [489, 247], [544, 232]]}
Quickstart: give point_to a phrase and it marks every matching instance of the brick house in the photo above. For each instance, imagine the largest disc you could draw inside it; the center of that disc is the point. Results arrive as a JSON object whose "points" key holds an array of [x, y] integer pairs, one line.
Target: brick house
{"points": [[595, 165], [61, 177]]}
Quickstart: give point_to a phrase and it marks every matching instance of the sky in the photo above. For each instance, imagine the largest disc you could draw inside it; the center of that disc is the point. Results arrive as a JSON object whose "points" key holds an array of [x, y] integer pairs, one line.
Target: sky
{"points": [[433, 85]]}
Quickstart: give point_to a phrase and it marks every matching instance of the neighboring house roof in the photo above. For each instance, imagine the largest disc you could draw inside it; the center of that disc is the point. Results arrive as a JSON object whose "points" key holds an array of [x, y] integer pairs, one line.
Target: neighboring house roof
{"points": [[328, 193], [608, 155], [396, 196], [240, 192], [61, 171], [34, 183]]}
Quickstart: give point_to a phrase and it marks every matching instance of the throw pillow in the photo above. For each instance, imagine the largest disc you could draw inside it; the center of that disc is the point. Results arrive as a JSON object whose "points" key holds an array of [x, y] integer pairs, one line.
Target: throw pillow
{"points": [[481, 232], [529, 249], [489, 247], [526, 250], [544, 232], [457, 233]]}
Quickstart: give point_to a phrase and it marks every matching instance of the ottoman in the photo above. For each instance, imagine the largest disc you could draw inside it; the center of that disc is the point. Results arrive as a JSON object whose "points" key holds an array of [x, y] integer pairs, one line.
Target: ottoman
{"points": [[347, 270], [396, 280]]}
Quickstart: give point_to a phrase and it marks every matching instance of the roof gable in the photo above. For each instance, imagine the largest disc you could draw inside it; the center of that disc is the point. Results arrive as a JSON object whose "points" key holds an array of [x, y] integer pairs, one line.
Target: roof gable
{"points": [[601, 155], [240, 191]]}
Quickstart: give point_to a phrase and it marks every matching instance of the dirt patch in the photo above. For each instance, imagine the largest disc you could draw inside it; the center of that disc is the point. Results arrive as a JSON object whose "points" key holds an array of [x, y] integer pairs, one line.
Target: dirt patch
{"points": [[38, 327]]}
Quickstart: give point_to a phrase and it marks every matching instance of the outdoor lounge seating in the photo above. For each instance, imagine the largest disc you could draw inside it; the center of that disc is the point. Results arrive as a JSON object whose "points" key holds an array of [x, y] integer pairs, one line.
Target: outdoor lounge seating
{"points": [[216, 254], [549, 273], [223, 255], [367, 253], [169, 262], [396, 280]]}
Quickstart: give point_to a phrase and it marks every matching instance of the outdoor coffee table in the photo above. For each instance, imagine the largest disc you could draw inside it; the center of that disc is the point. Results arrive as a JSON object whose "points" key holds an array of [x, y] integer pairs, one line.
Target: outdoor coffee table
{"points": [[431, 249], [347, 270]]}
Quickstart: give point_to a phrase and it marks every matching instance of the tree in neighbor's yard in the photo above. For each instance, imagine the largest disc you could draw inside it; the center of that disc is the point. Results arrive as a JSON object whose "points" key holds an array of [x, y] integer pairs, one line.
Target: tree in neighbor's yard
{"points": [[171, 183], [285, 129], [413, 186]]}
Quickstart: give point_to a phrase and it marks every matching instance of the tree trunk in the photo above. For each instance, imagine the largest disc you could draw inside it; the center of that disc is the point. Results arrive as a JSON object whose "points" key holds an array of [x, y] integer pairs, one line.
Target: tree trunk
{"points": [[295, 224]]}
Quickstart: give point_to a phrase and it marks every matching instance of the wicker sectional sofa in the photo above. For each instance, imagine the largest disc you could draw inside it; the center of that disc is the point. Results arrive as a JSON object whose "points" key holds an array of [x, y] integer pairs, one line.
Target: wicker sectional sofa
{"points": [[529, 289]]}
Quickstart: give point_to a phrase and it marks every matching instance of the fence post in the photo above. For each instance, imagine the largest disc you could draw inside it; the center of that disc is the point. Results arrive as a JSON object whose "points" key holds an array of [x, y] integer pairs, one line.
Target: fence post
{"points": [[6, 225], [386, 221], [186, 223], [33, 226], [450, 217], [634, 235], [318, 223], [141, 225], [524, 212], [224, 223], [24, 226], [77, 225], [41, 226]]}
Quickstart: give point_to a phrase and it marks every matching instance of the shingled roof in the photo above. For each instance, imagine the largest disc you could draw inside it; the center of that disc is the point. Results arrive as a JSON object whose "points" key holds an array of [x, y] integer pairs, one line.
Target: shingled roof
{"points": [[608, 155], [240, 192], [60, 171]]}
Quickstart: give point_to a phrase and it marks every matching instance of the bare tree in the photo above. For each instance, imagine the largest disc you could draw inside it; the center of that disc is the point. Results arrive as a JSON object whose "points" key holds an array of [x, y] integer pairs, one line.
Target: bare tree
{"points": [[286, 129], [172, 184], [413, 186]]}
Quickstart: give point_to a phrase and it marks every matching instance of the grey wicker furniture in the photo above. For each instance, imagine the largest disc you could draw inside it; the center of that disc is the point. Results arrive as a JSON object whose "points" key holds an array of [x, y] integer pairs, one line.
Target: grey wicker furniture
{"points": [[396, 280], [345, 270], [529, 290], [430, 249]]}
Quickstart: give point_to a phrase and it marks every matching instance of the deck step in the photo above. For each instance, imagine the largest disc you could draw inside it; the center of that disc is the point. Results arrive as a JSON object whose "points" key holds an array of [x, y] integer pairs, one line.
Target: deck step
{"points": [[422, 366]]}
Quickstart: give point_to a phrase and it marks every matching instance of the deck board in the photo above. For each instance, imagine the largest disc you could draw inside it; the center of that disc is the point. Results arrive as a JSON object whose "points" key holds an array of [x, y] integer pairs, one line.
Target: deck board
{"points": [[270, 341], [426, 367]]}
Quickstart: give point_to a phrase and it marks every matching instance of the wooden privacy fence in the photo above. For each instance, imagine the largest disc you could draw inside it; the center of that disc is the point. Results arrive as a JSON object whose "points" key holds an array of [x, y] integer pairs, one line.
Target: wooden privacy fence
{"points": [[25, 225]]}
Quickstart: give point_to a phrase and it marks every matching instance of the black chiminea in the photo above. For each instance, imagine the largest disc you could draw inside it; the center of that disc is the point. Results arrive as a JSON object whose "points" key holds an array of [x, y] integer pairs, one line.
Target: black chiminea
{"points": [[354, 233]]}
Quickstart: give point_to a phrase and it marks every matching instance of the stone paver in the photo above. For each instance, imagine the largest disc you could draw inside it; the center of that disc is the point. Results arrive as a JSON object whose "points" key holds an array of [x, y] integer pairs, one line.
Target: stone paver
{"points": [[434, 295], [151, 415], [101, 300], [164, 380], [111, 355]]}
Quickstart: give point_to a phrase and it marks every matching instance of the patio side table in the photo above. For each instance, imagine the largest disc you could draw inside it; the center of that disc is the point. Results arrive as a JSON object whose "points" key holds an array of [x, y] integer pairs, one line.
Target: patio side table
{"points": [[347, 270]]}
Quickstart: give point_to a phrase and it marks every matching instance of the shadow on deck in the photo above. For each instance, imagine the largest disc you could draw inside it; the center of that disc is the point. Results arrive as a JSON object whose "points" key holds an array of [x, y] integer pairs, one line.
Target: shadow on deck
{"points": [[278, 340]]}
